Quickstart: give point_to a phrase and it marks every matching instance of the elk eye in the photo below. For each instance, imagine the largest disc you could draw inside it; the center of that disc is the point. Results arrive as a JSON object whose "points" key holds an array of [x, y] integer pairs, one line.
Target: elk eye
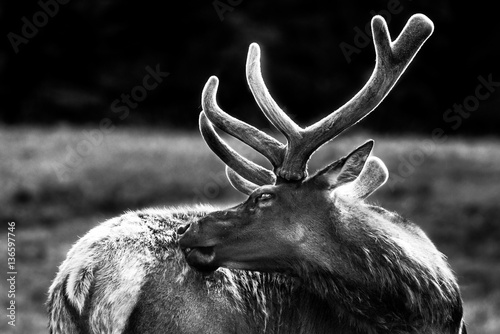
{"points": [[264, 197]]}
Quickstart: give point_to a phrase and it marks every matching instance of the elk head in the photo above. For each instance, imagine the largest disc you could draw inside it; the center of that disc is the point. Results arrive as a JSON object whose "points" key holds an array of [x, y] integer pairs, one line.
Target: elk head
{"points": [[290, 217]]}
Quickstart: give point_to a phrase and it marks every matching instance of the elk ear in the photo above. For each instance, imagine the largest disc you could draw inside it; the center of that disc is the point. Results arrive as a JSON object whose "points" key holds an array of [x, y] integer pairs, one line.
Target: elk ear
{"points": [[347, 169], [372, 177]]}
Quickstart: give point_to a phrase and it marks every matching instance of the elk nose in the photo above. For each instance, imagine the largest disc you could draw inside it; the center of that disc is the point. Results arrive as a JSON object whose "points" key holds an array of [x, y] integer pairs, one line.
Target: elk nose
{"points": [[183, 229]]}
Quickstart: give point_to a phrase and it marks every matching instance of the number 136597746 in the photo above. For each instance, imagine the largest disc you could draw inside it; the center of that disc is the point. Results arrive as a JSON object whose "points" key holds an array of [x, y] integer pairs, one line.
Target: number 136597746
{"points": [[11, 272]]}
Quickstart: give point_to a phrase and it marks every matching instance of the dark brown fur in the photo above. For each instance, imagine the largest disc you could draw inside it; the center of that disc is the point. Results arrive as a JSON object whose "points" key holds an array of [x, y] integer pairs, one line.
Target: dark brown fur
{"points": [[175, 298]]}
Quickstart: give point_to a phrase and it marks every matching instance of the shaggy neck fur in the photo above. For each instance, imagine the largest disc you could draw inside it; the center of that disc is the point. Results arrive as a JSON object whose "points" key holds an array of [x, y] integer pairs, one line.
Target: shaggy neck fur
{"points": [[398, 287], [128, 276]]}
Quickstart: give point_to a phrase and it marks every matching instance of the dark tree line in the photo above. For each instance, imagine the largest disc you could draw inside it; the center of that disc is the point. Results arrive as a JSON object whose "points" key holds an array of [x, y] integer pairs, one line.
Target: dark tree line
{"points": [[82, 61]]}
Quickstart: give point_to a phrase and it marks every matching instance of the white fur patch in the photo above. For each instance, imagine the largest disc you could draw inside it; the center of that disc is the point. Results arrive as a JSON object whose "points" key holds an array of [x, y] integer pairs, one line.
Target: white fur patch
{"points": [[116, 293], [104, 271]]}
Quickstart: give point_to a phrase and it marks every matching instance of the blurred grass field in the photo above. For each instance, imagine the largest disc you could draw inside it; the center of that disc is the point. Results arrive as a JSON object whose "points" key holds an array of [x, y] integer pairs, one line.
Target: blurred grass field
{"points": [[453, 193]]}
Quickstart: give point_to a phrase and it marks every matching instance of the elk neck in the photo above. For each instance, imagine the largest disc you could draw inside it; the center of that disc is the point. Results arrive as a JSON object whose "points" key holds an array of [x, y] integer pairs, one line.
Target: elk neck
{"points": [[381, 269]]}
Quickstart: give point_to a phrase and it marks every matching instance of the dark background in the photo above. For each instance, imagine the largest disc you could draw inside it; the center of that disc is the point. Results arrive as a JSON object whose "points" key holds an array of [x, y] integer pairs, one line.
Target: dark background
{"points": [[90, 52]]}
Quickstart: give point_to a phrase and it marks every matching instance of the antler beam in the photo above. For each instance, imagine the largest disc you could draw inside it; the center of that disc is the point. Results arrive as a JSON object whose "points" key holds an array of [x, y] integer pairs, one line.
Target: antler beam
{"points": [[392, 59], [236, 162], [290, 161], [261, 142], [239, 183]]}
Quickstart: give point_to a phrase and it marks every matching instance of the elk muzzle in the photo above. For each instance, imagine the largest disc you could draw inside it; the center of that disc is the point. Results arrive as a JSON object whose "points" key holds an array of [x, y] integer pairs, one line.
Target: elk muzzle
{"points": [[199, 240]]}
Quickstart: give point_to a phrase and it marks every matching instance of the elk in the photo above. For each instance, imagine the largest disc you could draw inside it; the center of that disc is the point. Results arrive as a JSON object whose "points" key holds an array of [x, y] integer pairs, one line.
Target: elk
{"points": [[303, 254]]}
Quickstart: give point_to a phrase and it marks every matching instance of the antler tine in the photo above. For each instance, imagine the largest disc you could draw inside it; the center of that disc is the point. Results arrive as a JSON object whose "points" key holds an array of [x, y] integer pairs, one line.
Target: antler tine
{"points": [[392, 58], [290, 161], [269, 147], [266, 103], [239, 183], [235, 161]]}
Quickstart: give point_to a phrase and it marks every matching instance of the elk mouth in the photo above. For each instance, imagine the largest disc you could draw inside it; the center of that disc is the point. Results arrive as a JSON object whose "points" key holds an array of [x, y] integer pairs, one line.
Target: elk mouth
{"points": [[201, 258]]}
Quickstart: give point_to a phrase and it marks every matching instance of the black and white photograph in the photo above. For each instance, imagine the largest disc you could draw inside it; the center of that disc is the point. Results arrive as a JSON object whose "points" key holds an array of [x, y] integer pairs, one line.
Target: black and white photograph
{"points": [[248, 167]]}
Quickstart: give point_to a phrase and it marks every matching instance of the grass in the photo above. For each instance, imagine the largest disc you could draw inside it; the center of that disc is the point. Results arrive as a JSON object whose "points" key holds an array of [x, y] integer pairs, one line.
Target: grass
{"points": [[451, 191]]}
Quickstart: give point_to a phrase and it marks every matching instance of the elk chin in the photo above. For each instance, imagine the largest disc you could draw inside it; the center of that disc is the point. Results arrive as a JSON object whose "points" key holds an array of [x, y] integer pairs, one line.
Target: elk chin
{"points": [[201, 258]]}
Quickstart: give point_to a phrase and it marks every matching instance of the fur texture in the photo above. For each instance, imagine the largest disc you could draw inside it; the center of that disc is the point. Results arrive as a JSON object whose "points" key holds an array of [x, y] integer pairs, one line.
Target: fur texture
{"points": [[128, 276]]}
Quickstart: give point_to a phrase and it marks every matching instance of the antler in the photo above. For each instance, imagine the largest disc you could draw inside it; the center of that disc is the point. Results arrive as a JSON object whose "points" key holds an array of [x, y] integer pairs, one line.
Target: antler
{"points": [[290, 161]]}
